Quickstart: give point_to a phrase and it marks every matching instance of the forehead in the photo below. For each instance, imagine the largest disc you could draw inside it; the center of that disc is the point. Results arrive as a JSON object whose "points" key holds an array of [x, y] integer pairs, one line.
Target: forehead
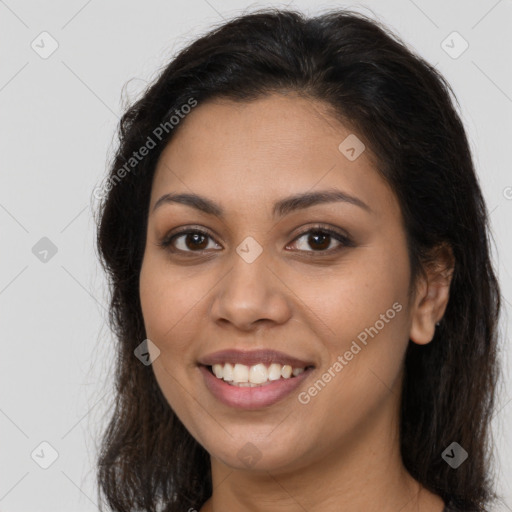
{"points": [[264, 149]]}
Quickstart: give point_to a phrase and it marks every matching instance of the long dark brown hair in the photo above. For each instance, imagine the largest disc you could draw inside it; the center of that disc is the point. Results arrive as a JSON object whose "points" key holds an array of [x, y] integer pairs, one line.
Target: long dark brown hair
{"points": [[404, 110]]}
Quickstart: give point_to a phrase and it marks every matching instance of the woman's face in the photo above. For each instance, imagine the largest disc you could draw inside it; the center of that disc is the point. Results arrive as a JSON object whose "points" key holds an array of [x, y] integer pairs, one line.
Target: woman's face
{"points": [[270, 285]]}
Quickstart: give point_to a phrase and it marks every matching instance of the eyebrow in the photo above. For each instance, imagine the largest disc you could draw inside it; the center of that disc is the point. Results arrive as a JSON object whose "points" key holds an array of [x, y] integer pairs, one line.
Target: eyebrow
{"points": [[281, 208]]}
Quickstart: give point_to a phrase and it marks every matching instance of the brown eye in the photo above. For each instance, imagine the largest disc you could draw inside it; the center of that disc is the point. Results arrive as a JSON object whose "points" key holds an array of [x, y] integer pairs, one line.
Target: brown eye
{"points": [[316, 240], [195, 241], [320, 240], [188, 241]]}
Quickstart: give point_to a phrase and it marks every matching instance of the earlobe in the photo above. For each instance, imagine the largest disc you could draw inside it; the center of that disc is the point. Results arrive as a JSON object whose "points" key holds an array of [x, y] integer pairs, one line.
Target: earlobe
{"points": [[432, 296]]}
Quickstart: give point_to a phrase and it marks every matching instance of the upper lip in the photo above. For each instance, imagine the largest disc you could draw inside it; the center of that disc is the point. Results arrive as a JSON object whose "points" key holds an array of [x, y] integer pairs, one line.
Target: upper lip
{"points": [[252, 357]]}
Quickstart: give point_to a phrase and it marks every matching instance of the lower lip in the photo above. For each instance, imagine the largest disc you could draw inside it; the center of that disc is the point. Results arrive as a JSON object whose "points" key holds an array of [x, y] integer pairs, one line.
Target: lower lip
{"points": [[251, 398]]}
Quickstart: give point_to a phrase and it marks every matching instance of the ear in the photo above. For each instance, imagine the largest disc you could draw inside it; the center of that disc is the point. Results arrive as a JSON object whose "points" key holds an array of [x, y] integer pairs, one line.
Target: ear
{"points": [[432, 295]]}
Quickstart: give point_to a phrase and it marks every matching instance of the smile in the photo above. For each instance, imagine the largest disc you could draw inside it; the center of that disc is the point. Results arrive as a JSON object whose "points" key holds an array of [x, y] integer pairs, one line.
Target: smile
{"points": [[252, 380], [252, 376]]}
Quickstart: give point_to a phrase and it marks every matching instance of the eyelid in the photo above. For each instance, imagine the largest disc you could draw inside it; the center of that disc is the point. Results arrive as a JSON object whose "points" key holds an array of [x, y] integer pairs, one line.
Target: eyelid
{"points": [[343, 239], [324, 228], [166, 241]]}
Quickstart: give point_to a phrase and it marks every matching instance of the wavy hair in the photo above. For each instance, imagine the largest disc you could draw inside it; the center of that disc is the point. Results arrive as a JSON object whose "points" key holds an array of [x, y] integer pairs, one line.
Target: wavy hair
{"points": [[405, 112]]}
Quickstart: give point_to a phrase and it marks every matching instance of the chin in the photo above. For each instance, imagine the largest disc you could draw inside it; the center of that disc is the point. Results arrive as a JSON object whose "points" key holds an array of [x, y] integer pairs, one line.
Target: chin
{"points": [[256, 451]]}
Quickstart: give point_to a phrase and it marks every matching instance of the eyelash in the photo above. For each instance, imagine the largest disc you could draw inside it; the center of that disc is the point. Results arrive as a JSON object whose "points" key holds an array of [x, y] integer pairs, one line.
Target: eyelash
{"points": [[345, 241]]}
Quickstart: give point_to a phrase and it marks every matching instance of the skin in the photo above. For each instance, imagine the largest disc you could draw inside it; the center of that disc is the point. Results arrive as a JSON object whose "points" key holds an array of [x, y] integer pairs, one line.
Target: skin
{"points": [[342, 447]]}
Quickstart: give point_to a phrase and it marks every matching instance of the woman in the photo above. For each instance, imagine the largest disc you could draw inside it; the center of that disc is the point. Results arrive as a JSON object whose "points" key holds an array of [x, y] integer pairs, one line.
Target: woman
{"points": [[302, 290]]}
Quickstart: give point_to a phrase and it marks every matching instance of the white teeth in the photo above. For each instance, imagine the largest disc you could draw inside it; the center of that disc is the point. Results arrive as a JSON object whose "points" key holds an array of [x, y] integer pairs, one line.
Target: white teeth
{"points": [[228, 372], [256, 375], [274, 371], [218, 370], [240, 373], [286, 371]]}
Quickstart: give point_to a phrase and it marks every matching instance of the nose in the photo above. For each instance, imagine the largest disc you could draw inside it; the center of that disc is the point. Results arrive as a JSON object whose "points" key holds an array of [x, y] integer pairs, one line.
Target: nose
{"points": [[251, 294]]}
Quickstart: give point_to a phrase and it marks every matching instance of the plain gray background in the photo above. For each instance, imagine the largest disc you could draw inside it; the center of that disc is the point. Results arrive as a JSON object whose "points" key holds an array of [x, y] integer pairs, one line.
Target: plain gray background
{"points": [[57, 132]]}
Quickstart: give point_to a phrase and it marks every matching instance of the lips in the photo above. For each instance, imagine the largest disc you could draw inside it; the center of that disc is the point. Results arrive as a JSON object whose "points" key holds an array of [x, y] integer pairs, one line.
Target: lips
{"points": [[253, 357], [248, 396]]}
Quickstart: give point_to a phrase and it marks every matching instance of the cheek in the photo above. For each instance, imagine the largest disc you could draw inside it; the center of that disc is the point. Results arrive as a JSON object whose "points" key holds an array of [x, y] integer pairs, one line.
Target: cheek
{"points": [[354, 295], [362, 317], [168, 300], [167, 303]]}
